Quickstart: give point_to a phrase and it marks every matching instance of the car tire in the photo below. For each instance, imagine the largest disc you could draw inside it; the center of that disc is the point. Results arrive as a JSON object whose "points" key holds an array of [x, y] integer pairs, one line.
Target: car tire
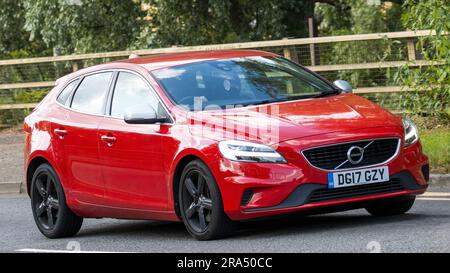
{"points": [[53, 217], [392, 206], [201, 204]]}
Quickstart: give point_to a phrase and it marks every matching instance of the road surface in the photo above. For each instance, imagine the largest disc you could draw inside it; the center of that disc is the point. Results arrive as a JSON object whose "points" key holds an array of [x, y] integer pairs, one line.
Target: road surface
{"points": [[426, 228]]}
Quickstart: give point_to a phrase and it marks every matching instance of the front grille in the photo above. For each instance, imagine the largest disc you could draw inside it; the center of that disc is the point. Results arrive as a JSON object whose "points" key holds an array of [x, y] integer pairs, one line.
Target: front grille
{"points": [[321, 195], [334, 157]]}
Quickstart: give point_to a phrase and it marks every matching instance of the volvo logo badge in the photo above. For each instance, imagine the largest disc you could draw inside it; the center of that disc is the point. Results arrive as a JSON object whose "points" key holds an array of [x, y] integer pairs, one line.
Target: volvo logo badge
{"points": [[355, 154]]}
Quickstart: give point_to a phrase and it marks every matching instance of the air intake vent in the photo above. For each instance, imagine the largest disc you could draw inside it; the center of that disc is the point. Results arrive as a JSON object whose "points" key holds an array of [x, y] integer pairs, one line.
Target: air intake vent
{"points": [[321, 195], [426, 172], [246, 197]]}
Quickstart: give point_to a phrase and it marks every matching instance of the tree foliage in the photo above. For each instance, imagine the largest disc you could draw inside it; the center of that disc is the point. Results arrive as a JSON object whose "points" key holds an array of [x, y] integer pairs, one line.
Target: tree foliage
{"points": [[83, 25], [347, 17], [196, 22], [14, 39], [356, 16], [12, 35], [431, 84]]}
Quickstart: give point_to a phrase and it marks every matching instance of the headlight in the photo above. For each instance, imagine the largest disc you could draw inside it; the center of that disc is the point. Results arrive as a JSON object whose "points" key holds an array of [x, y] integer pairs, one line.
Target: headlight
{"points": [[411, 132], [249, 152]]}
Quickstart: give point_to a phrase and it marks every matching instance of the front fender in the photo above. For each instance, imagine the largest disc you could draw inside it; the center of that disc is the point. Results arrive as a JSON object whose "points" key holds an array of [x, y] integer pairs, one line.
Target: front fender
{"points": [[207, 152]]}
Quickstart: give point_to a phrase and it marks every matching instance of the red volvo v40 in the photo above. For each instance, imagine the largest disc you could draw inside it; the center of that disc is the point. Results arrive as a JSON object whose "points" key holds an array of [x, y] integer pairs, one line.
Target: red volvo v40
{"points": [[212, 138]]}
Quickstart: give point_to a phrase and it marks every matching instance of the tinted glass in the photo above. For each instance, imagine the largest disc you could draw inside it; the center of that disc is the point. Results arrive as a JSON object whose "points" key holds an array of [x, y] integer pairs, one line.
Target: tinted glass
{"points": [[131, 91], [239, 81], [91, 94], [65, 94]]}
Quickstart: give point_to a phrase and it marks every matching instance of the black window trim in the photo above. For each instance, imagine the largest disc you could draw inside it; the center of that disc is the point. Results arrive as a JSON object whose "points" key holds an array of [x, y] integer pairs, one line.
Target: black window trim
{"points": [[107, 92], [152, 90], [111, 86], [69, 98], [68, 104]]}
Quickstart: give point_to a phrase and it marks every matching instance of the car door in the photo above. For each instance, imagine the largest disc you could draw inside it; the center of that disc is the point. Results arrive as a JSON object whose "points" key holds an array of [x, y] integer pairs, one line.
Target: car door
{"points": [[77, 136], [131, 154]]}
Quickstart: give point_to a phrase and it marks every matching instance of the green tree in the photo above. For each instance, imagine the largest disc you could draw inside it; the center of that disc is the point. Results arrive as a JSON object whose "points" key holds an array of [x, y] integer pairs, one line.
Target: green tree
{"points": [[14, 39], [69, 26], [430, 84], [358, 16], [193, 22], [12, 34]]}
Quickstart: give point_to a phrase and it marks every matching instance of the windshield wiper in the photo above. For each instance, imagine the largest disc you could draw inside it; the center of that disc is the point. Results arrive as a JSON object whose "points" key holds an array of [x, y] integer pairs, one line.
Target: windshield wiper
{"points": [[289, 98], [258, 102], [276, 100], [328, 93]]}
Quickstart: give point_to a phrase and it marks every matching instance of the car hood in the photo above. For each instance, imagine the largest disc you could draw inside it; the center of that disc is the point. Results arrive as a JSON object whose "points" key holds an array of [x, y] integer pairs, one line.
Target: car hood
{"points": [[277, 122]]}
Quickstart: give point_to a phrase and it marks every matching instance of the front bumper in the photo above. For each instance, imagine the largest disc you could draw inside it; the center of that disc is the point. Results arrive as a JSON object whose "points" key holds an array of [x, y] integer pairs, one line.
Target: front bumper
{"points": [[251, 190], [312, 193]]}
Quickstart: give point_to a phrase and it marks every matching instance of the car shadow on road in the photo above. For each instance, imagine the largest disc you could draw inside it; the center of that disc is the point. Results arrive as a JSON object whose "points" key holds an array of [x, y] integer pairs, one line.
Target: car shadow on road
{"points": [[334, 222], [137, 229], [270, 227]]}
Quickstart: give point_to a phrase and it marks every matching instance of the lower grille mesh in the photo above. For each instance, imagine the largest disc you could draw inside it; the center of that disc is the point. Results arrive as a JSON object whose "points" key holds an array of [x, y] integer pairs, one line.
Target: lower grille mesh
{"points": [[246, 196], [321, 195]]}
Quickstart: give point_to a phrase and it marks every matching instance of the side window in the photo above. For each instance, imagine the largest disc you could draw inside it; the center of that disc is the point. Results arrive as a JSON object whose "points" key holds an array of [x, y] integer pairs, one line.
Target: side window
{"points": [[131, 91], [91, 94], [65, 94]]}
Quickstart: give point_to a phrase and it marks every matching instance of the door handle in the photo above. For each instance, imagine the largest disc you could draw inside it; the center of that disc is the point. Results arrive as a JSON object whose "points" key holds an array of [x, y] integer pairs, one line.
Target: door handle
{"points": [[109, 140], [61, 133]]}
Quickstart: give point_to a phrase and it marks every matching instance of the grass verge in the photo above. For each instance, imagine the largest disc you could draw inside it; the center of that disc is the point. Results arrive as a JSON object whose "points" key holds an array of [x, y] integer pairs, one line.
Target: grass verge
{"points": [[436, 144]]}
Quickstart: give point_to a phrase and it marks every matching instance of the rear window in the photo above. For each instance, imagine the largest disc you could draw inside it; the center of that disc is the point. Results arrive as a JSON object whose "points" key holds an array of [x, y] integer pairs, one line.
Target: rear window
{"points": [[65, 94], [91, 95]]}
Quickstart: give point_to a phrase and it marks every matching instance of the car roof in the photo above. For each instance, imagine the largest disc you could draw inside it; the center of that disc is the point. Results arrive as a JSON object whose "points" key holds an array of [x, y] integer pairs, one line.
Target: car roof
{"points": [[160, 61], [168, 60]]}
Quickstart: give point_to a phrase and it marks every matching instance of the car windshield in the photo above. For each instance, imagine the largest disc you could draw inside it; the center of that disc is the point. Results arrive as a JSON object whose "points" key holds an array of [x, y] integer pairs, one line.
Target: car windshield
{"points": [[239, 82]]}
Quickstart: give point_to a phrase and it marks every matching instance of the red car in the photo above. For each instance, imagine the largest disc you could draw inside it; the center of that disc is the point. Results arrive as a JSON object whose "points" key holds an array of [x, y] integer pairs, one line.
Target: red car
{"points": [[210, 139]]}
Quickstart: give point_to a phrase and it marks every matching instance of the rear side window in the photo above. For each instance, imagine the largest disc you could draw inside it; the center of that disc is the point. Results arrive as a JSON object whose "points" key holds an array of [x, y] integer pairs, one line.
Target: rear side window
{"points": [[65, 94], [91, 94], [131, 91]]}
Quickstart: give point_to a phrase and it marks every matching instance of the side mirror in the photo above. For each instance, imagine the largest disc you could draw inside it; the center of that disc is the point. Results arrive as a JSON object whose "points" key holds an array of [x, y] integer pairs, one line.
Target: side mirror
{"points": [[343, 85], [142, 114]]}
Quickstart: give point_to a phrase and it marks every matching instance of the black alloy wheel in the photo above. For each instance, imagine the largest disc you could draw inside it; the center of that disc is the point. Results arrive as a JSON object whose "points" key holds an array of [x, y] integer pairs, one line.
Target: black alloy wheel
{"points": [[52, 215], [45, 201], [200, 204], [197, 201]]}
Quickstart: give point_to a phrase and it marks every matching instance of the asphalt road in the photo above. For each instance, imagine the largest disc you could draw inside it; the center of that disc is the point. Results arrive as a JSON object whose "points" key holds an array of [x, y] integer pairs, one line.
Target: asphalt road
{"points": [[426, 228]]}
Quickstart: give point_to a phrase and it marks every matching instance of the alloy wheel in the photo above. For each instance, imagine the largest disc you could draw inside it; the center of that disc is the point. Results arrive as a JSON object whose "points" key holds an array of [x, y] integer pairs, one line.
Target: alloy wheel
{"points": [[197, 202], [46, 201]]}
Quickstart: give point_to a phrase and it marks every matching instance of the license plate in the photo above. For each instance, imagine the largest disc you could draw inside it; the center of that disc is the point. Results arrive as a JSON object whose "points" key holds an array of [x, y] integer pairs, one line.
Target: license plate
{"points": [[358, 177]]}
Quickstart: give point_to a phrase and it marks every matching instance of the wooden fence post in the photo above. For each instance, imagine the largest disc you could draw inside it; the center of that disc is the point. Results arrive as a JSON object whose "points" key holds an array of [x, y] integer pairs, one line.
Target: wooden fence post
{"points": [[290, 53], [411, 49], [312, 51]]}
